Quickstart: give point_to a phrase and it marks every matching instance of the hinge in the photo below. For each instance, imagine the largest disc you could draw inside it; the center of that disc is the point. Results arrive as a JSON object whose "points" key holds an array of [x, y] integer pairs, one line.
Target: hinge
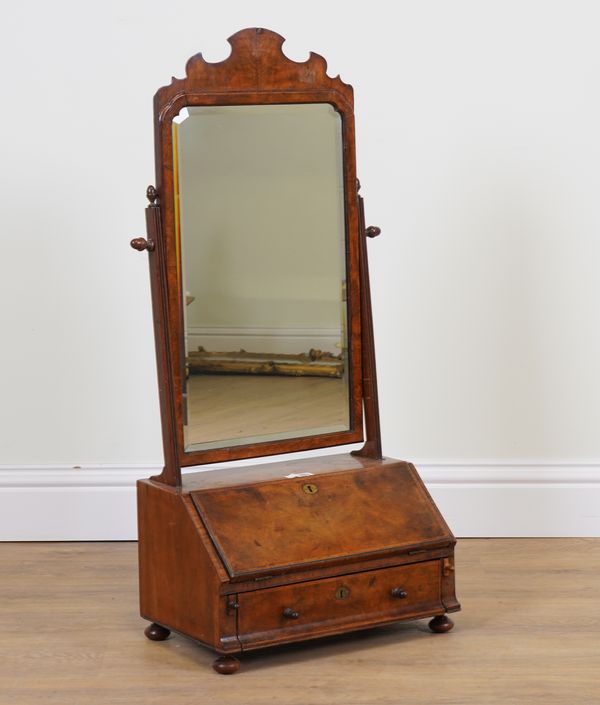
{"points": [[447, 567], [232, 605]]}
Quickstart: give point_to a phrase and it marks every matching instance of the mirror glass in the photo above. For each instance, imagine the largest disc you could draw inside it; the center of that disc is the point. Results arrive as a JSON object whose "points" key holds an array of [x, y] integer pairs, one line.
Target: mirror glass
{"points": [[259, 211]]}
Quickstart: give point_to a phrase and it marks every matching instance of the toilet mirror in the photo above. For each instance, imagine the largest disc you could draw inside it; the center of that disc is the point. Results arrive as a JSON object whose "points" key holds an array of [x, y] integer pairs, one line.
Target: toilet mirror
{"points": [[254, 233], [260, 222]]}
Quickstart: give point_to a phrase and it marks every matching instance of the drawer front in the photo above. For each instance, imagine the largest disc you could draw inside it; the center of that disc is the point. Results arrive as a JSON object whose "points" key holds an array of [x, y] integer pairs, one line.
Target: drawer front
{"points": [[339, 604]]}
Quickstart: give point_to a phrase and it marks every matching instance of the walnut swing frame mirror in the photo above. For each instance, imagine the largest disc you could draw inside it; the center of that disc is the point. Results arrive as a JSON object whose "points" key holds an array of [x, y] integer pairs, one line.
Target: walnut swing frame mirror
{"points": [[264, 343]]}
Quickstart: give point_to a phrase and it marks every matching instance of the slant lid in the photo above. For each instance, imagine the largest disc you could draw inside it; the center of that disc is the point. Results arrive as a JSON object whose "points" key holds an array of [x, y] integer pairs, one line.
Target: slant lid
{"points": [[299, 523]]}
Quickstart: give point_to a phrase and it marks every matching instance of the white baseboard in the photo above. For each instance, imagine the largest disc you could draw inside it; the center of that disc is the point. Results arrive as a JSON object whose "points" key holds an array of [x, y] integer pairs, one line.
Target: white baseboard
{"points": [[483, 499], [516, 499], [272, 340], [66, 503]]}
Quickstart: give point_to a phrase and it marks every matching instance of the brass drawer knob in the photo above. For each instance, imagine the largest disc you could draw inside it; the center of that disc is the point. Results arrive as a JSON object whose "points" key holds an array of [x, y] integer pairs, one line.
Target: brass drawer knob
{"points": [[399, 592], [289, 613]]}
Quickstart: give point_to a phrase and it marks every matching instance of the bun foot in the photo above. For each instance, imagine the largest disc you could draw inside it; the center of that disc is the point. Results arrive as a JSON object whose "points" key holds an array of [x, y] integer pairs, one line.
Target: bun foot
{"points": [[155, 632], [441, 624], [226, 665]]}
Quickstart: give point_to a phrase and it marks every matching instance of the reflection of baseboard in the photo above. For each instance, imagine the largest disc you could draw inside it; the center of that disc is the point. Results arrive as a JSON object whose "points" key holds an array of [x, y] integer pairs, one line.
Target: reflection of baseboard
{"points": [[273, 340]]}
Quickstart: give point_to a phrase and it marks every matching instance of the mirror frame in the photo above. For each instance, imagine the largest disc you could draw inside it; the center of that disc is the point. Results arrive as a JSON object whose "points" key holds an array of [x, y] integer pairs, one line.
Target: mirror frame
{"points": [[257, 72]]}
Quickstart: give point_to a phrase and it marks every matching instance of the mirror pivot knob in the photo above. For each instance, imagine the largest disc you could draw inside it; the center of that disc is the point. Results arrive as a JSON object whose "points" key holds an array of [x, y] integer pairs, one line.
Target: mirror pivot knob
{"points": [[140, 244]]}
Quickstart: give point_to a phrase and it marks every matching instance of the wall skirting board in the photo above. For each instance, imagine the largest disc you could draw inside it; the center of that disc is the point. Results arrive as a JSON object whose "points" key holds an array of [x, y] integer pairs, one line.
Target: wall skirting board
{"points": [[478, 499]]}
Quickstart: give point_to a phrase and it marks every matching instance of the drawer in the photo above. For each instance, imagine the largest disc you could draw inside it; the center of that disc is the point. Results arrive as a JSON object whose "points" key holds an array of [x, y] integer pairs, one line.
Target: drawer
{"points": [[332, 605]]}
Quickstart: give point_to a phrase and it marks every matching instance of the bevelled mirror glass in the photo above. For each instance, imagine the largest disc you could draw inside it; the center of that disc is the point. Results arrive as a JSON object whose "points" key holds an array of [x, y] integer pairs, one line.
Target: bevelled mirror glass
{"points": [[260, 225]]}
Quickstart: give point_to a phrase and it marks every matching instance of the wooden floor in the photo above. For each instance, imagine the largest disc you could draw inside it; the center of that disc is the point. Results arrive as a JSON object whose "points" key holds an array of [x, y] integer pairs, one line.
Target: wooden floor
{"points": [[529, 633]]}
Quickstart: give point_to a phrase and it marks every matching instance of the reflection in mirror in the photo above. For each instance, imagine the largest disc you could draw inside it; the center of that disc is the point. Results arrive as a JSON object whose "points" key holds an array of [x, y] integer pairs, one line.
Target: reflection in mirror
{"points": [[259, 208]]}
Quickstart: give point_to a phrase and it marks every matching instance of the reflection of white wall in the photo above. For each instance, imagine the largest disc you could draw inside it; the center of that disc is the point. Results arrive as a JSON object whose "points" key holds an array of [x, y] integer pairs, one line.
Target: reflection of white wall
{"points": [[262, 222]]}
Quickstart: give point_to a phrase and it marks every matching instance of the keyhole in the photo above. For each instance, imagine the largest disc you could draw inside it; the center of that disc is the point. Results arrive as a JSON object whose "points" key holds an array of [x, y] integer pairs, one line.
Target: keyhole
{"points": [[310, 488]]}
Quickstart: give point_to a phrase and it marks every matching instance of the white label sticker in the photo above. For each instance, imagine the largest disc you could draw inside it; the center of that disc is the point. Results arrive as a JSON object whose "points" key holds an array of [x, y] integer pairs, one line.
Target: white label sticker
{"points": [[292, 475]]}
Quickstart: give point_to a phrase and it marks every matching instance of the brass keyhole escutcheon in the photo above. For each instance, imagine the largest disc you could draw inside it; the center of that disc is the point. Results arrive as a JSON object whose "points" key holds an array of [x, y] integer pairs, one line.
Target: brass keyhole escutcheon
{"points": [[342, 592], [309, 488]]}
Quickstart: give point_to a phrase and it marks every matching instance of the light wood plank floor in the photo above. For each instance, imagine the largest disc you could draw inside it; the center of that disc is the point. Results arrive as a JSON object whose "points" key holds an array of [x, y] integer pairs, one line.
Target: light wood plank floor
{"points": [[529, 633]]}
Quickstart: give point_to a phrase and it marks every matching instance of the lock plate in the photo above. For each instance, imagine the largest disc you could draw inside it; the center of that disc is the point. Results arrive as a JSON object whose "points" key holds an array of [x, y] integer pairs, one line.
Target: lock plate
{"points": [[310, 488], [342, 592]]}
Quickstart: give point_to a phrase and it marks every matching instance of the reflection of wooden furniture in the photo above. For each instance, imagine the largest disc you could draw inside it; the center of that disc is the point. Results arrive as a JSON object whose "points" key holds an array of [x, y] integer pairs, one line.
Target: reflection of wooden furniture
{"points": [[315, 363], [244, 558]]}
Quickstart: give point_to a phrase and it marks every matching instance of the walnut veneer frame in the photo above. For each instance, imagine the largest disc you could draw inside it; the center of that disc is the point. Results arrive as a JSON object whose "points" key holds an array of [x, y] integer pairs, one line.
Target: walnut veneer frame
{"points": [[256, 72]]}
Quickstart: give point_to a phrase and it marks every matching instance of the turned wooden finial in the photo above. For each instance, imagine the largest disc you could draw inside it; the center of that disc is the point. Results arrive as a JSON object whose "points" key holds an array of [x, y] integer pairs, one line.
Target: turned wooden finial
{"points": [[152, 194], [140, 244]]}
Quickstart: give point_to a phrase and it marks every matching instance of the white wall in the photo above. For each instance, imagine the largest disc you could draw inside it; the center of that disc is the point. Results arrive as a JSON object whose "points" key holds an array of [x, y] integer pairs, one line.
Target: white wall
{"points": [[478, 151]]}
